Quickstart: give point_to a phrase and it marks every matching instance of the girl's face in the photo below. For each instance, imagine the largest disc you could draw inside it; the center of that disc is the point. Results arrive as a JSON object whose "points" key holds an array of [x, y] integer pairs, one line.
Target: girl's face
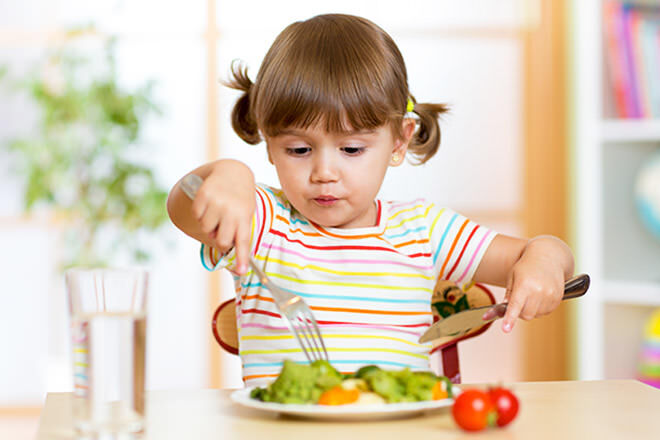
{"points": [[333, 179]]}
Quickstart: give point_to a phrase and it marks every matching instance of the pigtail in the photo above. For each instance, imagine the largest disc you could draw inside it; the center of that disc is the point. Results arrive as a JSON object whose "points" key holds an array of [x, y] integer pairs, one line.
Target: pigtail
{"points": [[242, 117], [426, 140]]}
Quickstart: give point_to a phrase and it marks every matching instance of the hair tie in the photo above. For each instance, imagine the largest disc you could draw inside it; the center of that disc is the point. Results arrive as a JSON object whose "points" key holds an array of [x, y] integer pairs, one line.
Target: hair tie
{"points": [[410, 106]]}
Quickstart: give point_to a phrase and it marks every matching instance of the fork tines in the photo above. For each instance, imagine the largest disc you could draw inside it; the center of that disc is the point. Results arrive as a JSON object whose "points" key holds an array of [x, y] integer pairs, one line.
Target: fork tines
{"points": [[314, 347]]}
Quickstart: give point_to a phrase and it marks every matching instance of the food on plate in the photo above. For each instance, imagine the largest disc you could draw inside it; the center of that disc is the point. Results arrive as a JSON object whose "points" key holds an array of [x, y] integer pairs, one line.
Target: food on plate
{"points": [[339, 396], [475, 409], [300, 383], [320, 383]]}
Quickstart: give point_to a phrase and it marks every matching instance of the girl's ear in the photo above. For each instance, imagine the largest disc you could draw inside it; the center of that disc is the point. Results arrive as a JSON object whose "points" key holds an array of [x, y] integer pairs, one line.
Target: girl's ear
{"points": [[401, 145]]}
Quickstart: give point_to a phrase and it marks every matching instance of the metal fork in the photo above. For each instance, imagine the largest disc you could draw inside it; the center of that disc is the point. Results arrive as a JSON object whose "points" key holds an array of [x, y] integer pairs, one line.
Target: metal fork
{"points": [[297, 314], [298, 317]]}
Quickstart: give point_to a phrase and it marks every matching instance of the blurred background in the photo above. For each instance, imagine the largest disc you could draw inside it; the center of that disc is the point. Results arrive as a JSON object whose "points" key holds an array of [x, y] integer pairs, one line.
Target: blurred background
{"points": [[554, 129]]}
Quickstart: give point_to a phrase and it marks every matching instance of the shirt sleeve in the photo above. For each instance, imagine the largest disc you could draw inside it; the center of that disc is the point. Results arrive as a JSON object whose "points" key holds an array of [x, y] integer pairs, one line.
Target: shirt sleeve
{"points": [[458, 245], [266, 204]]}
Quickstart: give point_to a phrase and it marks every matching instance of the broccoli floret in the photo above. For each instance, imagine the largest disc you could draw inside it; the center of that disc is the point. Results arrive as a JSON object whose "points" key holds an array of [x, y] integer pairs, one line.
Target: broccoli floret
{"points": [[419, 386], [403, 385], [303, 383], [362, 372], [299, 383], [258, 393], [386, 384], [326, 375]]}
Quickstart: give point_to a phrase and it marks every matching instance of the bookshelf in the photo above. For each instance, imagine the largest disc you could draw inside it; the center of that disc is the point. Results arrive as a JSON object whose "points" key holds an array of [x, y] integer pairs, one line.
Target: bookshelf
{"points": [[636, 130], [611, 244], [638, 293]]}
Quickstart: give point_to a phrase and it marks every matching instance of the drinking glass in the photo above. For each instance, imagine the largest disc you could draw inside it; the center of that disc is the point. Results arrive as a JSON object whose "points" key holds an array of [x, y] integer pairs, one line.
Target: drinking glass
{"points": [[108, 324]]}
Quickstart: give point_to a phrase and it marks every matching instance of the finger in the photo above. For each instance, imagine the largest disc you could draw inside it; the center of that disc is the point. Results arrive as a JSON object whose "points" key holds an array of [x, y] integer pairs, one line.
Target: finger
{"points": [[509, 286], [512, 313], [548, 303], [242, 244], [557, 295], [225, 236], [516, 302], [530, 310], [198, 208], [209, 221]]}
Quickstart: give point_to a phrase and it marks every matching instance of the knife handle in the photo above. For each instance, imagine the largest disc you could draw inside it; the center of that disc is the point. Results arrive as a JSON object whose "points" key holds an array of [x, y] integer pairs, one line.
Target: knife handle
{"points": [[576, 286]]}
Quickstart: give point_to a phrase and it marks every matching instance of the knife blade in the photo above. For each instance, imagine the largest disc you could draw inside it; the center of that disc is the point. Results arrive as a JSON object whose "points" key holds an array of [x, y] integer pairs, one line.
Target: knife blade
{"points": [[463, 322]]}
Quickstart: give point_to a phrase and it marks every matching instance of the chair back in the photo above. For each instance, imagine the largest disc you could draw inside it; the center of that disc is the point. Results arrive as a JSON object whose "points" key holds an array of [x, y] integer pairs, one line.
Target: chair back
{"points": [[224, 327], [447, 299]]}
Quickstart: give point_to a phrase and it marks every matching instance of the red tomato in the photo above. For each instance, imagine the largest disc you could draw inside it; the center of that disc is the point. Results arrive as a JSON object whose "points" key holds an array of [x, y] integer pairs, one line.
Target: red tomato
{"points": [[506, 404], [473, 410]]}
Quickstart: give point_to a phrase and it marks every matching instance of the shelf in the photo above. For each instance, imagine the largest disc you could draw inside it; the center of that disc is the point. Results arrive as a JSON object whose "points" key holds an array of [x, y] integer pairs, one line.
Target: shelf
{"points": [[629, 250], [632, 293], [611, 242], [631, 130]]}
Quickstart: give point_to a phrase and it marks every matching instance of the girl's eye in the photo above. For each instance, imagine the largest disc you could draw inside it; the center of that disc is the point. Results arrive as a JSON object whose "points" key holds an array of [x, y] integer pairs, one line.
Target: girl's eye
{"points": [[298, 151], [353, 151]]}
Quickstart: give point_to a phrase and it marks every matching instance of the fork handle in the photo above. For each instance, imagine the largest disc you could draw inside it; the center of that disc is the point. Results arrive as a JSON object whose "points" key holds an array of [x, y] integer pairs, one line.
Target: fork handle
{"points": [[260, 273], [190, 184], [281, 297]]}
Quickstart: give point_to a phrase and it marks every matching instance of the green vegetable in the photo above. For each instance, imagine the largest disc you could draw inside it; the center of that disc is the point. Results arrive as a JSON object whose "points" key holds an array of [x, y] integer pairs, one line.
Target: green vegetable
{"points": [[386, 384], [419, 386], [300, 383], [365, 370], [403, 385], [326, 375]]}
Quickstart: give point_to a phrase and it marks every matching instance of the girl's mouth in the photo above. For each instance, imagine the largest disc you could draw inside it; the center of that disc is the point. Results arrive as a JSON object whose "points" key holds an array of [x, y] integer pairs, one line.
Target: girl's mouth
{"points": [[326, 200]]}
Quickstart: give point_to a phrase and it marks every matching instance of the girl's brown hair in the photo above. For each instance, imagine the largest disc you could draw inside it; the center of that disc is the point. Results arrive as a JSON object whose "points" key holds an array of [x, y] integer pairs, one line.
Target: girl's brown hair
{"points": [[339, 70]]}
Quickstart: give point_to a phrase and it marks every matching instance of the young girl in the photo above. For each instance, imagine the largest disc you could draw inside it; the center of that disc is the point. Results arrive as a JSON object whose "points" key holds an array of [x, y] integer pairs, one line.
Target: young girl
{"points": [[332, 103]]}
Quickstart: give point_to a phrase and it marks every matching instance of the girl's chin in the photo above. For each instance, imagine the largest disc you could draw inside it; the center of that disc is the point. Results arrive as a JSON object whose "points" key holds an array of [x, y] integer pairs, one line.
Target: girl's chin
{"points": [[326, 220]]}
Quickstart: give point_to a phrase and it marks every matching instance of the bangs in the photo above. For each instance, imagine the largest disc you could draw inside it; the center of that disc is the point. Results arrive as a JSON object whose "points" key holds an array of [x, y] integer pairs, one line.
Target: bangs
{"points": [[328, 105], [322, 74]]}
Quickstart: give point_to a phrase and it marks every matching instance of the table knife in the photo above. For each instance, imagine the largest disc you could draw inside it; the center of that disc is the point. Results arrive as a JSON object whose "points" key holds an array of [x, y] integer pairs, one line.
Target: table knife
{"points": [[463, 322]]}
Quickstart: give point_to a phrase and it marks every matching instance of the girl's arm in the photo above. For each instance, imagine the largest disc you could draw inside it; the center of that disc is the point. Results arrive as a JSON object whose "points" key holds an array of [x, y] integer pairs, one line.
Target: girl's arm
{"points": [[221, 214], [533, 272]]}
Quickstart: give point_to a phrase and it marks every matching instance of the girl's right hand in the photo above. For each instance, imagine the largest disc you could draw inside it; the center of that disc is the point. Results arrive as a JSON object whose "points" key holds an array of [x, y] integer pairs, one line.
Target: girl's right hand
{"points": [[224, 207]]}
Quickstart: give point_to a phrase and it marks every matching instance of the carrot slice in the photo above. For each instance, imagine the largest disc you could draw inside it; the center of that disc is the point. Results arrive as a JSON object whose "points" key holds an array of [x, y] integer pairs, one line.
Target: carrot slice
{"points": [[437, 392], [339, 396]]}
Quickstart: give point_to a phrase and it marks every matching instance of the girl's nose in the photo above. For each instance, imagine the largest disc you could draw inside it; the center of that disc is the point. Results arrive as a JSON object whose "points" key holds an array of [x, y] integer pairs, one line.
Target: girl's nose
{"points": [[325, 169]]}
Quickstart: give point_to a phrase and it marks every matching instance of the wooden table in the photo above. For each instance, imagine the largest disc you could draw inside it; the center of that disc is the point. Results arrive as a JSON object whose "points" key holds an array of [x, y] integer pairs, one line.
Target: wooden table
{"points": [[624, 409]]}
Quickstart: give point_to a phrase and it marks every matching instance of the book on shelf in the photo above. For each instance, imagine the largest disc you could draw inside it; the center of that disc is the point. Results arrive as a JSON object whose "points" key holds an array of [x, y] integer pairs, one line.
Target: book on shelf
{"points": [[632, 56]]}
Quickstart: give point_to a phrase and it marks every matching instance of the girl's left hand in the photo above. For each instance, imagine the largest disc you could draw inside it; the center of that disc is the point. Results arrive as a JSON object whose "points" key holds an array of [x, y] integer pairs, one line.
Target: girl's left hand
{"points": [[533, 272], [535, 287]]}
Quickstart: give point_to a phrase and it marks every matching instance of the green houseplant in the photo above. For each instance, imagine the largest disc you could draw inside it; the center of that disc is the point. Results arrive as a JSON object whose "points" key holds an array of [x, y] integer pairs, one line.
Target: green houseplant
{"points": [[77, 162]]}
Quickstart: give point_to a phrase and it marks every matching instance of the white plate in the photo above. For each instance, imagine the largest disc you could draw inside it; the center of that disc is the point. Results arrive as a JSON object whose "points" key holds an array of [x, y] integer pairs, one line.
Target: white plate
{"points": [[343, 412]]}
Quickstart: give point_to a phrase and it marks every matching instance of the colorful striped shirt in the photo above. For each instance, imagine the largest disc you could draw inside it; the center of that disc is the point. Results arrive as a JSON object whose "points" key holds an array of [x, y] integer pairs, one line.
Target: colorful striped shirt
{"points": [[369, 288]]}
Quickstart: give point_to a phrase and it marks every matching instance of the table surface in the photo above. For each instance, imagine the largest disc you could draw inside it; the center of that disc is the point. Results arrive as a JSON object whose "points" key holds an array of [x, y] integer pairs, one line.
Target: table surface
{"points": [[612, 409]]}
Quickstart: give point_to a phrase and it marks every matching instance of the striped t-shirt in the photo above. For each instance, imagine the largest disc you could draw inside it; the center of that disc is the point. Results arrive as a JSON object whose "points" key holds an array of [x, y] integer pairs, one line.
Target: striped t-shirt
{"points": [[369, 288]]}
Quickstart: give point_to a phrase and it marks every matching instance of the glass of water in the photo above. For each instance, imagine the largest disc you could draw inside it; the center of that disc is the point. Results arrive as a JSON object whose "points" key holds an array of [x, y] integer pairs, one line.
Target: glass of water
{"points": [[108, 325]]}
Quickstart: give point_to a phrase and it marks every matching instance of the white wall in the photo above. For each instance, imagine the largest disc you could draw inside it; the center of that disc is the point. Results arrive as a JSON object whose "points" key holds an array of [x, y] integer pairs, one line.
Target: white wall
{"points": [[477, 169], [158, 41]]}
